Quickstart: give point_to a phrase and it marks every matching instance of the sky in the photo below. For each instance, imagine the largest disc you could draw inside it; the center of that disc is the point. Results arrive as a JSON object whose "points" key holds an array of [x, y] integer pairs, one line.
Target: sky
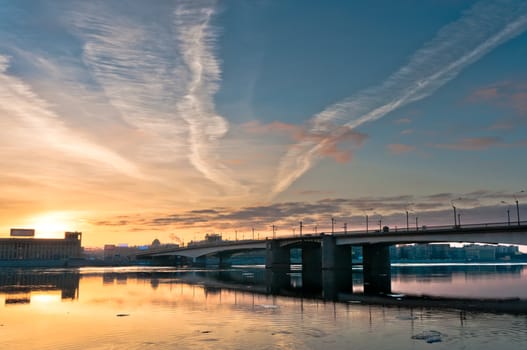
{"points": [[137, 120]]}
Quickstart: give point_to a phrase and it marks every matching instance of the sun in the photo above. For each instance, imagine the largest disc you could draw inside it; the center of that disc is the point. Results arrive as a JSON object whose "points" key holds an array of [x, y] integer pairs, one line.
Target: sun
{"points": [[52, 225]]}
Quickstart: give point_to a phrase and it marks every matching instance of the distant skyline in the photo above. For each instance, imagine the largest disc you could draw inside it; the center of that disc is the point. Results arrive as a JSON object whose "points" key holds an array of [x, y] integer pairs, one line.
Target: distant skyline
{"points": [[136, 120]]}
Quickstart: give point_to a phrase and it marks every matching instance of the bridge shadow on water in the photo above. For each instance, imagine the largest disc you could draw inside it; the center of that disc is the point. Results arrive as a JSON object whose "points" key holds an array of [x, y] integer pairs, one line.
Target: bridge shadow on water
{"points": [[340, 286]]}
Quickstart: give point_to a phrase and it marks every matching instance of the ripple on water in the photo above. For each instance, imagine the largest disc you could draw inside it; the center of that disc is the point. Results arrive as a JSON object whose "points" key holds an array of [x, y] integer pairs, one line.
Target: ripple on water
{"points": [[430, 336], [315, 333]]}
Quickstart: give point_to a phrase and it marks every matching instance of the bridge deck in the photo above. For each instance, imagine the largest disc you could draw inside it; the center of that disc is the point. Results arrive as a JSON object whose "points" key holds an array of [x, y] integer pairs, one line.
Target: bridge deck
{"points": [[476, 233]]}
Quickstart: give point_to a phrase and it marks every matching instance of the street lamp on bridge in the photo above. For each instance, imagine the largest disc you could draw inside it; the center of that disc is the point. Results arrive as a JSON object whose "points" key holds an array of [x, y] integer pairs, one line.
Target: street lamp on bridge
{"points": [[365, 211], [508, 213], [333, 225], [407, 211], [455, 215], [517, 206]]}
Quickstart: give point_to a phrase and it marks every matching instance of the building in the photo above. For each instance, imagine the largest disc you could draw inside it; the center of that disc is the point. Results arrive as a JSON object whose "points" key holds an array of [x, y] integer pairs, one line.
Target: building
{"points": [[22, 246]]}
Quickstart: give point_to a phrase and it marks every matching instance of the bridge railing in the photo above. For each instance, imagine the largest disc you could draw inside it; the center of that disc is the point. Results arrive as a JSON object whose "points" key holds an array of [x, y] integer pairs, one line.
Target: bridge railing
{"points": [[424, 228]]}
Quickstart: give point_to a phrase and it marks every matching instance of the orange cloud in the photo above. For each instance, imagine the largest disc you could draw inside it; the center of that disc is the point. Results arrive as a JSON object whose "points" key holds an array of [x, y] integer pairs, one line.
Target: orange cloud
{"points": [[472, 144], [397, 148], [507, 94], [336, 146], [484, 94], [519, 101]]}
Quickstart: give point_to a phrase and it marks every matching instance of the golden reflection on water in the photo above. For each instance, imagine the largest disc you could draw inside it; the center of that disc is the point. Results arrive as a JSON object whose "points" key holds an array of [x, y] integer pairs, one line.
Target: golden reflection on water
{"points": [[112, 309], [116, 311]]}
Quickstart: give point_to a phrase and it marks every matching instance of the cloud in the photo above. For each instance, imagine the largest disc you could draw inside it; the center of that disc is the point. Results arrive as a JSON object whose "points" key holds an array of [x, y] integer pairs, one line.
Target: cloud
{"points": [[329, 147], [472, 144], [196, 39], [508, 94], [403, 121], [519, 101], [161, 74], [431, 209], [397, 148], [501, 125], [33, 122], [457, 45], [484, 94]]}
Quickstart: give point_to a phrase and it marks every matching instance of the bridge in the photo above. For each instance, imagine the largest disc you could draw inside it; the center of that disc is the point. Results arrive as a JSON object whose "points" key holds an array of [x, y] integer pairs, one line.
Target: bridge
{"points": [[332, 253]]}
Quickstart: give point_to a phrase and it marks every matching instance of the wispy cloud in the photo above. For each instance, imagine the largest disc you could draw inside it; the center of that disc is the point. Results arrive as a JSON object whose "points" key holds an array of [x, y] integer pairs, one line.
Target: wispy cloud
{"points": [[509, 94], [397, 148], [196, 38], [432, 209], [335, 147], [484, 94], [32, 121], [403, 121], [472, 144], [161, 75], [457, 45]]}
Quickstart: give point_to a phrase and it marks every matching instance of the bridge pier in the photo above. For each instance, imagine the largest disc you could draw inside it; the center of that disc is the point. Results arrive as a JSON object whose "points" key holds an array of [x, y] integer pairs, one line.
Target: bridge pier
{"points": [[336, 268], [277, 257], [335, 256], [376, 268]]}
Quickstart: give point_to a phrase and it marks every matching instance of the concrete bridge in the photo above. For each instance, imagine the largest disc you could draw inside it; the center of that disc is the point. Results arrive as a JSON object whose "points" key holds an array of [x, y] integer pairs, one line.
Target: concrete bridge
{"points": [[332, 253], [221, 249]]}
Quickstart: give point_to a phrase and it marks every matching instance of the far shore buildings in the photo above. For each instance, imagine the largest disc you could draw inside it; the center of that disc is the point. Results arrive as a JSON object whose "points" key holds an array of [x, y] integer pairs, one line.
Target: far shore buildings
{"points": [[23, 246]]}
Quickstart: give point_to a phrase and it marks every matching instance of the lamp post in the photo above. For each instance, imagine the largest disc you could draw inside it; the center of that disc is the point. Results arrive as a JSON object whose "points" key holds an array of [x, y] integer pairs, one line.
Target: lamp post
{"points": [[274, 231], [300, 229], [345, 228], [408, 209], [380, 223], [508, 213], [517, 206], [455, 215], [365, 211], [333, 225]]}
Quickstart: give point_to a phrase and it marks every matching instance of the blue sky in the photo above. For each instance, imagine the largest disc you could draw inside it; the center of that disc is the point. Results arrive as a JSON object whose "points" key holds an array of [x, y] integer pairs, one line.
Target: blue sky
{"points": [[135, 120]]}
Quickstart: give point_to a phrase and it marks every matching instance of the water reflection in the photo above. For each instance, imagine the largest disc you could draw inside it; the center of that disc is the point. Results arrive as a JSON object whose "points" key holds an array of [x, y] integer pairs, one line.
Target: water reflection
{"points": [[20, 286], [238, 308], [462, 280], [454, 281]]}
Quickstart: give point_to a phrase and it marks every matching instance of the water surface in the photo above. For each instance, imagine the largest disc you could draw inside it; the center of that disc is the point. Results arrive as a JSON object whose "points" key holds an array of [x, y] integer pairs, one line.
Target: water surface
{"points": [[169, 308]]}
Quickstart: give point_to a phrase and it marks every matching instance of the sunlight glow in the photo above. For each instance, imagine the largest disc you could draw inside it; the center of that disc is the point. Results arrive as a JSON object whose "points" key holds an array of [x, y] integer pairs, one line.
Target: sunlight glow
{"points": [[45, 297], [53, 224]]}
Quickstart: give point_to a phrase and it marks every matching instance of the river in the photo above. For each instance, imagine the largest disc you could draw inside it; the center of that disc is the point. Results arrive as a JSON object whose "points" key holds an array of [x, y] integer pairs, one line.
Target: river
{"points": [[240, 308]]}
